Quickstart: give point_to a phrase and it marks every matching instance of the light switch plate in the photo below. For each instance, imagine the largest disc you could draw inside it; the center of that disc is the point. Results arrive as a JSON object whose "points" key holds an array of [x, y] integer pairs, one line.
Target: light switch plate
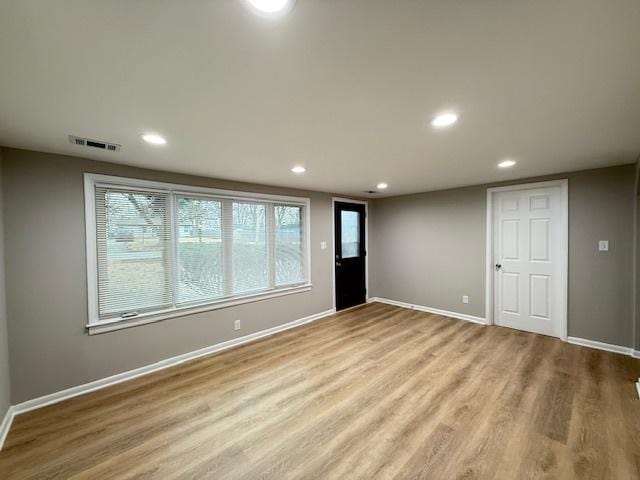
{"points": [[603, 245], [323, 245], [465, 299]]}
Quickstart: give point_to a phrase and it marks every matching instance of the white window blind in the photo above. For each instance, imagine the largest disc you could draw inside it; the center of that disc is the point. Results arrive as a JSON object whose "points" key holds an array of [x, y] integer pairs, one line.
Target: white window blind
{"points": [[160, 248], [134, 252]]}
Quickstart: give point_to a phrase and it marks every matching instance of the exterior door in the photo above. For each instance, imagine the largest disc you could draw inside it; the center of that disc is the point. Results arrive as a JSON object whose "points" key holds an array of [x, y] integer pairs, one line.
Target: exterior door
{"points": [[350, 254], [529, 291]]}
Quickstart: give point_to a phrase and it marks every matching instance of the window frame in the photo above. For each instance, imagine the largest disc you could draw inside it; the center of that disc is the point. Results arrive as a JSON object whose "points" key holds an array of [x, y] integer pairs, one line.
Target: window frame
{"points": [[92, 180]]}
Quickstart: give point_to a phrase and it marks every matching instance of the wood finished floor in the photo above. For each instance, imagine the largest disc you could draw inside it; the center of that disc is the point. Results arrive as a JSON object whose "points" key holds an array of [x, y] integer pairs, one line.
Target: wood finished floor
{"points": [[378, 392]]}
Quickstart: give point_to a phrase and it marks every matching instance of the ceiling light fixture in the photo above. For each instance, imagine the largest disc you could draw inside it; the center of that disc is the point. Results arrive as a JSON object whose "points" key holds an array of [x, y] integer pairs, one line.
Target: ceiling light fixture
{"points": [[153, 138], [381, 186], [506, 163], [444, 119], [271, 7], [298, 169]]}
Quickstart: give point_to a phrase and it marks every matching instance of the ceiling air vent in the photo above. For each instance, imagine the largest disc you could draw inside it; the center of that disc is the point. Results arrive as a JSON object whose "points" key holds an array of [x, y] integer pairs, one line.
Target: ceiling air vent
{"points": [[86, 142], [370, 191]]}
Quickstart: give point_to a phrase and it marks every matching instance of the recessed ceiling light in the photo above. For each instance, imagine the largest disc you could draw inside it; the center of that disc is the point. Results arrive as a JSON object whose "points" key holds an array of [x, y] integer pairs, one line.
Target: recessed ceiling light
{"points": [[298, 169], [444, 119], [506, 163], [271, 7], [381, 186], [153, 138]]}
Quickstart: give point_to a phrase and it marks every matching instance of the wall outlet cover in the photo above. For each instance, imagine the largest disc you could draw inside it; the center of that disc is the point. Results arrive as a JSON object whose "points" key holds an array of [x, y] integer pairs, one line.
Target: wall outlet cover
{"points": [[236, 325], [465, 299], [603, 245]]}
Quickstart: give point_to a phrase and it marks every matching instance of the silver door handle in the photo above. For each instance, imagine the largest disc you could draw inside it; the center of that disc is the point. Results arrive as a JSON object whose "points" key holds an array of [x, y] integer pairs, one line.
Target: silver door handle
{"points": [[338, 264]]}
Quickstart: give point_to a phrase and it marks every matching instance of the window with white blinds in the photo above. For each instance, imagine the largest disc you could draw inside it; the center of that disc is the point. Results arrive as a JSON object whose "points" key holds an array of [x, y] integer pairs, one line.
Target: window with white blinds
{"points": [[156, 248]]}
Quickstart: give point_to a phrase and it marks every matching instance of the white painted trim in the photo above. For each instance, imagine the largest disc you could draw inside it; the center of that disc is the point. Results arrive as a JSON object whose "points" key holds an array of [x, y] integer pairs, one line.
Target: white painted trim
{"points": [[91, 245], [583, 342], [488, 281], [529, 186], [91, 180], [5, 426], [161, 365], [333, 243], [636, 354], [564, 268], [638, 387], [181, 189], [437, 311], [117, 324]]}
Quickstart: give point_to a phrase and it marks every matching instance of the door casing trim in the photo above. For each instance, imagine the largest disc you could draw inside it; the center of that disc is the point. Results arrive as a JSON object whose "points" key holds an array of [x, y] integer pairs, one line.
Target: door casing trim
{"points": [[564, 248], [333, 243]]}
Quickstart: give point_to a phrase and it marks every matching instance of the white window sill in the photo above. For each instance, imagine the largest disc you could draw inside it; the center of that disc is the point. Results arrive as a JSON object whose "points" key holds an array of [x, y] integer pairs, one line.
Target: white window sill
{"points": [[119, 324]]}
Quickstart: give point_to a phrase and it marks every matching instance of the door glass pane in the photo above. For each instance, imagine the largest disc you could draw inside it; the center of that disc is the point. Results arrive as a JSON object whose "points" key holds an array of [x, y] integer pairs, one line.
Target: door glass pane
{"points": [[350, 223], [249, 247], [199, 250]]}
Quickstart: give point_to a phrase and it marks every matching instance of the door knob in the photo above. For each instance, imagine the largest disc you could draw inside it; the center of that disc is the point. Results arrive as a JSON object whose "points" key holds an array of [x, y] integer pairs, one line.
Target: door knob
{"points": [[338, 264], [498, 266]]}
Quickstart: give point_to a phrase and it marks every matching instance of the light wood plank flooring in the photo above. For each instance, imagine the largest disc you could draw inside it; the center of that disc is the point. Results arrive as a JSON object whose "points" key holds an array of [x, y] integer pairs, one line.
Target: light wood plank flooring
{"points": [[378, 392]]}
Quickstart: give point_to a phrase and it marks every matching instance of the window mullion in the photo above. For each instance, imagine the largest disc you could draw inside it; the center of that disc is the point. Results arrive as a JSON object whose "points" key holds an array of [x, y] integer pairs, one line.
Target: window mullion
{"points": [[304, 244], [227, 246], [173, 236], [271, 247]]}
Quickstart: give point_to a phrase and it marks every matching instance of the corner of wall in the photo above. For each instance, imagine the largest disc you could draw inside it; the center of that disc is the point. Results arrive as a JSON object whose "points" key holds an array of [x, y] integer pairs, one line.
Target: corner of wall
{"points": [[636, 254], [5, 380]]}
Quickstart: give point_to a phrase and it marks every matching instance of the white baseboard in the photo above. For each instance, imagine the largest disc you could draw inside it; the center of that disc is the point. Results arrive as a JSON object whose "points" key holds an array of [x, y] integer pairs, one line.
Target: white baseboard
{"points": [[470, 318], [138, 372], [5, 426], [638, 387], [583, 342], [446, 313]]}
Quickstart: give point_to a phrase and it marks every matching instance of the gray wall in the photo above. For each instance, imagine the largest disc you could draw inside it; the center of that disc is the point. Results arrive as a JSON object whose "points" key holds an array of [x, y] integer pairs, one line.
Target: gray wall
{"points": [[426, 249], [429, 249], [47, 294], [5, 383]]}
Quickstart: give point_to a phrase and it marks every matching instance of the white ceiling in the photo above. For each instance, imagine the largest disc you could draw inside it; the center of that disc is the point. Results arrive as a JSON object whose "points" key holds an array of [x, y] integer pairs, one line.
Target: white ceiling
{"points": [[344, 87]]}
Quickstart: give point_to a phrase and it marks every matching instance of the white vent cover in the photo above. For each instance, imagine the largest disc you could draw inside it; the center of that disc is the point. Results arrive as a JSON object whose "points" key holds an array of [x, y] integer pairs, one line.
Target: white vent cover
{"points": [[87, 142]]}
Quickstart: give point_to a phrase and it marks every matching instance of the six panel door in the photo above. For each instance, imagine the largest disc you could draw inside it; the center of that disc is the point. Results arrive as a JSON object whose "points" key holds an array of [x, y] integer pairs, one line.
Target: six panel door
{"points": [[527, 260]]}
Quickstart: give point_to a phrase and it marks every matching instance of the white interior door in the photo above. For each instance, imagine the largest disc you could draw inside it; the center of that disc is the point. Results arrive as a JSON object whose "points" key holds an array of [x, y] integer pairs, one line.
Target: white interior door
{"points": [[528, 250]]}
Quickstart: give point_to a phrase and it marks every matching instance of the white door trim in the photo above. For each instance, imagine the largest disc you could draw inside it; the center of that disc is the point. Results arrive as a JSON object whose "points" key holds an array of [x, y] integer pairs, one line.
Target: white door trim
{"points": [[333, 243], [564, 247]]}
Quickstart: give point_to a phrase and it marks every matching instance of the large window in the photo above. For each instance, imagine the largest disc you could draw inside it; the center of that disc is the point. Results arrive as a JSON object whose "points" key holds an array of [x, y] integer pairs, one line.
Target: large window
{"points": [[157, 250]]}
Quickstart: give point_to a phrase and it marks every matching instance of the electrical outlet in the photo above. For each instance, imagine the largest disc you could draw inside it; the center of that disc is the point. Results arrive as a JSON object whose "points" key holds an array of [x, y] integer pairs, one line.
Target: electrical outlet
{"points": [[236, 325], [465, 299], [323, 245], [603, 245]]}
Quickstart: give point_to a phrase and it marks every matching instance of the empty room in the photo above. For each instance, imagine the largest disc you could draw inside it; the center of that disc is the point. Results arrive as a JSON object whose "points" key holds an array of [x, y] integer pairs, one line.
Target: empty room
{"points": [[319, 239]]}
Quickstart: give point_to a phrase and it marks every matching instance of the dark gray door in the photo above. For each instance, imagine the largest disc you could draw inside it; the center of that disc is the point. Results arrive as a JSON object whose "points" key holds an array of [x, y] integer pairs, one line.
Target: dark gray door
{"points": [[350, 261]]}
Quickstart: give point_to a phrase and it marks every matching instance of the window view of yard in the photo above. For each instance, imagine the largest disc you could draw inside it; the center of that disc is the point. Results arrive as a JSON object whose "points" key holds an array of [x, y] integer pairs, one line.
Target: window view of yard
{"points": [[288, 240], [199, 250], [135, 250], [249, 247]]}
